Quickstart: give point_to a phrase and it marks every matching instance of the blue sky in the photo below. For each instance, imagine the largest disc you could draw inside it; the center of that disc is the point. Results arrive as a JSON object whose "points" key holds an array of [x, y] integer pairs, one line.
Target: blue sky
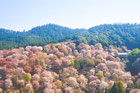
{"points": [[26, 14]]}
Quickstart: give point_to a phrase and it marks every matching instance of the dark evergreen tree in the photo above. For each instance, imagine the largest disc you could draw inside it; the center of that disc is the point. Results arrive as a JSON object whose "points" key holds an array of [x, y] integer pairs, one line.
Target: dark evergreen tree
{"points": [[121, 88], [114, 89]]}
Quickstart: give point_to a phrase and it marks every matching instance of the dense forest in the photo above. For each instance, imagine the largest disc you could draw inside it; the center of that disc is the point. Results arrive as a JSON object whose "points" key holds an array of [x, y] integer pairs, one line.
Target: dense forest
{"points": [[67, 68], [57, 59], [108, 34]]}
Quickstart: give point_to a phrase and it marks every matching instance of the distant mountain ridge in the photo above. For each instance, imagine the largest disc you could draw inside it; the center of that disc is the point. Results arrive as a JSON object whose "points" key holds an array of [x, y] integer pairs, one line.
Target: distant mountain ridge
{"points": [[107, 34], [50, 30]]}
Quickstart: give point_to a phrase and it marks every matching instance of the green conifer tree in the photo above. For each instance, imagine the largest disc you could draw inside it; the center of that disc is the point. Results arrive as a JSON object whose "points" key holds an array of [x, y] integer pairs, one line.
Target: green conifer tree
{"points": [[121, 88], [114, 89]]}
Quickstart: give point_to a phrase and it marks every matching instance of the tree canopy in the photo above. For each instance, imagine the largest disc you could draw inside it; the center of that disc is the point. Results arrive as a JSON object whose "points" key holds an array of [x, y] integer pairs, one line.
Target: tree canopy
{"points": [[107, 34]]}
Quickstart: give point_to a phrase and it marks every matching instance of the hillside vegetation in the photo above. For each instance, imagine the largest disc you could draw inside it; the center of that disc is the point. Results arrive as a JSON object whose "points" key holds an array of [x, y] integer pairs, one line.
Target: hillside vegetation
{"points": [[107, 34], [66, 68]]}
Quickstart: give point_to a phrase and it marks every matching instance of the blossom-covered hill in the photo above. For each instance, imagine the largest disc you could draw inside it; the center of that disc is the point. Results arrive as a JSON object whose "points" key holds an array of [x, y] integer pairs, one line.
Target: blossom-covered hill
{"points": [[64, 68]]}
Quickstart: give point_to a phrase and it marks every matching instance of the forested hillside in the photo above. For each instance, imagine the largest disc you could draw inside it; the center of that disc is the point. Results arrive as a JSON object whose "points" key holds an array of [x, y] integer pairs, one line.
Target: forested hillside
{"points": [[56, 59], [67, 68], [107, 34], [117, 34]]}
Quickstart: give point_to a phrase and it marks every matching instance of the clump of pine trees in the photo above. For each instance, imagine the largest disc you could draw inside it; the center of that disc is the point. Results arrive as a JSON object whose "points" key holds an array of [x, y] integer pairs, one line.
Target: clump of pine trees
{"points": [[117, 88]]}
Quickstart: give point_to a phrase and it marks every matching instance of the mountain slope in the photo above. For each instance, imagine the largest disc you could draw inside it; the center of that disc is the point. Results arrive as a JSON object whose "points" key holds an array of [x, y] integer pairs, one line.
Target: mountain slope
{"points": [[37, 36], [53, 32], [117, 34], [107, 34]]}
